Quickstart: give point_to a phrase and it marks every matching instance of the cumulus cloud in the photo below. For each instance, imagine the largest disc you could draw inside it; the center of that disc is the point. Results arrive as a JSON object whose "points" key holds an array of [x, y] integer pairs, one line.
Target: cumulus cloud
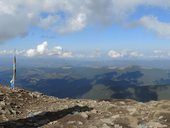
{"points": [[40, 50], [57, 50], [66, 16], [124, 53], [31, 52], [115, 54]]}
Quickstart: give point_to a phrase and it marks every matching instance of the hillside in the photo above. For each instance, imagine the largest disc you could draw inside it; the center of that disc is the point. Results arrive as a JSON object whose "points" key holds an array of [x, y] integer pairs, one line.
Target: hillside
{"points": [[94, 83], [20, 108]]}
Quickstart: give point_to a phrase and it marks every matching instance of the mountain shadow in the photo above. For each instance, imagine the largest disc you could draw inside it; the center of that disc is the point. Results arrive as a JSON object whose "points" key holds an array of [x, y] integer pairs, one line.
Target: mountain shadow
{"points": [[43, 118]]}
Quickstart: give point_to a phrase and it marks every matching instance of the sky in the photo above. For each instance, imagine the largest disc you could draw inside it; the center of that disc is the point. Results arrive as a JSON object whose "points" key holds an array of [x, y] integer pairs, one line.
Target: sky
{"points": [[115, 29]]}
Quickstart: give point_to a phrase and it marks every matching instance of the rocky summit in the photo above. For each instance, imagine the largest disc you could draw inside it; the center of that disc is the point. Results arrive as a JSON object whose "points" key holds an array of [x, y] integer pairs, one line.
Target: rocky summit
{"points": [[24, 109]]}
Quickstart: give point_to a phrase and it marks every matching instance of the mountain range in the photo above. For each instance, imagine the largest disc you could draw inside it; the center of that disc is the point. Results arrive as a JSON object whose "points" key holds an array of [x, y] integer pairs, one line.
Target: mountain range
{"points": [[133, 82]]}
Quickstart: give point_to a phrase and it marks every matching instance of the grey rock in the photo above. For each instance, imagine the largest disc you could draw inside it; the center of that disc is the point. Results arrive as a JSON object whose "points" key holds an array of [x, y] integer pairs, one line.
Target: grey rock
{"points": [[107, 121], [12, 111], [2, 103], [84, 115], [105, 126]]}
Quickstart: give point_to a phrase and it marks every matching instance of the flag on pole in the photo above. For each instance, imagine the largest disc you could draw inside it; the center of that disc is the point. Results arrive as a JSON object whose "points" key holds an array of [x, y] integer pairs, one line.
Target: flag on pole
{"points": [[12, 82]]}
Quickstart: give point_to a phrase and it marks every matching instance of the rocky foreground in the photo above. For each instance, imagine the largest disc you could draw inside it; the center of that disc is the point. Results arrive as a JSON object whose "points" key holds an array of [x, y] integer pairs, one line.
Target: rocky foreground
{"points": [[24, 109]]}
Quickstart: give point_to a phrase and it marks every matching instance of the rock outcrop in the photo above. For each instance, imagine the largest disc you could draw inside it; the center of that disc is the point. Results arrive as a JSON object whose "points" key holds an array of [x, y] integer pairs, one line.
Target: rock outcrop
{"points": [[24, 109]]}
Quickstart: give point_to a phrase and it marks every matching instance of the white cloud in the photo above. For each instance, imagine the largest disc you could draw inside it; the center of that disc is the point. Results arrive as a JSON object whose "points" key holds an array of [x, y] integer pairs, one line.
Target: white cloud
{"points": [[124, 53], [31, 52], [5, 52], [115, 54], [6, 9], [67, 54], [40, 50], [135, 54], [76, 23], [57, 50], [43, 50], [64, 16], [161, 53], [48, 22], [153, 24], [157, 51]]}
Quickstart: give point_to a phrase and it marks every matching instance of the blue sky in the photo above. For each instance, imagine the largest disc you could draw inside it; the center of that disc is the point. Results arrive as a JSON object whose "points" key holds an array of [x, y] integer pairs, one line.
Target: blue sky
{"points": [[94, 28]]}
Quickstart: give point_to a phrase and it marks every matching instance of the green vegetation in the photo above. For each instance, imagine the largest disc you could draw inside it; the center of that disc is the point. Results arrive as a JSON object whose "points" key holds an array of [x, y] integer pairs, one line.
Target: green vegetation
{"points": [[133, 82]]}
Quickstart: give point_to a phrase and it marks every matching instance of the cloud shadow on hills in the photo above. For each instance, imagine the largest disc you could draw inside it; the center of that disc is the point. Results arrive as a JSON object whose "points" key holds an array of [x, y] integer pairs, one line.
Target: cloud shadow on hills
{"points": [[123, 85], [114, 79], [163, 81], [62, 88], [43, 118], [127, 86]]}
